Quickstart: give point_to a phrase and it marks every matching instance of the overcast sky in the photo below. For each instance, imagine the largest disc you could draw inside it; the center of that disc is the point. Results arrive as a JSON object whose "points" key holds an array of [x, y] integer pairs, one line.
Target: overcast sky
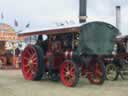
{"points": [[45, 13]]}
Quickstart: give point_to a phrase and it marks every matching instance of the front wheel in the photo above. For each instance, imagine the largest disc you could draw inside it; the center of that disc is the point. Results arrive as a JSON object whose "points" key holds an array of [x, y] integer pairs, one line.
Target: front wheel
{"points": [[69, 73], [96, 73], [32, 63], [112, 72]]}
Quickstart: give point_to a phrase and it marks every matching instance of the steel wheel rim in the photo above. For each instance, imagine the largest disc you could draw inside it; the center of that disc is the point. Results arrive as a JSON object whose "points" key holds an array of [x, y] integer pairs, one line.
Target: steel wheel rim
{"points": [[68, 74], [29, 62], [98, 73], [110, 72], [124, 72]]}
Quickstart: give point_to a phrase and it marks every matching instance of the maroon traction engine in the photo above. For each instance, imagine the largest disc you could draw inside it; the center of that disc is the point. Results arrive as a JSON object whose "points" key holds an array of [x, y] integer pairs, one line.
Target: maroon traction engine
{"points": [[68, 53]]}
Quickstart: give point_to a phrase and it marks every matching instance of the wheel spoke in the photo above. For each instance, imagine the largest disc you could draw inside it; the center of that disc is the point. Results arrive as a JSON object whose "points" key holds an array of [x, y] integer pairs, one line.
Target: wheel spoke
{"points": [[25, 58], [29, 53], [27, 65], [65, 70], [34, 60], [32, 51], [72, 72], [68, 67], [34, 63], [33, 56], [34, 66], [70, 80], [98, 71], [30, 62], [68, 74], [28, 71]]}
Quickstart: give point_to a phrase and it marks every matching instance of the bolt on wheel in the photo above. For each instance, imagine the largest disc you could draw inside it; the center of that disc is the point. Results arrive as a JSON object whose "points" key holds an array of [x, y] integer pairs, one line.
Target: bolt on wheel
{"points": [[112, 72], [69, 73], [32, 63], [97, 72]]}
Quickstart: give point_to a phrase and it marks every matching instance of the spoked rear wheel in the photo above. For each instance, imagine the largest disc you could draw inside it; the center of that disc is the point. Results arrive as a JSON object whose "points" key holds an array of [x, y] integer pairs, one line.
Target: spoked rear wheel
{"points": [[69, 73], [97, 72], [124, 72], [32, 63], [112, 72]]}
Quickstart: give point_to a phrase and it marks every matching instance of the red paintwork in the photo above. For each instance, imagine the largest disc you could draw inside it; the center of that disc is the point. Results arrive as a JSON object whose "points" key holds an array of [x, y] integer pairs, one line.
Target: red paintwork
{"points": [[54, 60], [58, 60], [29, 62], [95, 73], [54, 55], [67, 73]]}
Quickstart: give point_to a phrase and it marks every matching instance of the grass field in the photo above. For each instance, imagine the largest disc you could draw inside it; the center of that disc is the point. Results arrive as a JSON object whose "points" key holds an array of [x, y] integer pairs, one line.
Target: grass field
{"points": [[12, 83]]}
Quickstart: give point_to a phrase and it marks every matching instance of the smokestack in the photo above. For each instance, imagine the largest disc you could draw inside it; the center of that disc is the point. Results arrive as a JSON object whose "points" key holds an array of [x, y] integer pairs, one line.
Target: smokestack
{"points": [[118, 17], [82, 10]]}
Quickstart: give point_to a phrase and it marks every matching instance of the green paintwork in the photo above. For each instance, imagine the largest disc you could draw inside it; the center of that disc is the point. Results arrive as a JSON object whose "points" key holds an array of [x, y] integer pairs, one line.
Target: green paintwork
{"points": [[97, 38]]}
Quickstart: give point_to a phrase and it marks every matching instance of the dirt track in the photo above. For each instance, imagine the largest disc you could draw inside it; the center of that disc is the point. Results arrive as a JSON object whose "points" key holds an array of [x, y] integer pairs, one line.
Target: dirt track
{"points": [[13, 84]]}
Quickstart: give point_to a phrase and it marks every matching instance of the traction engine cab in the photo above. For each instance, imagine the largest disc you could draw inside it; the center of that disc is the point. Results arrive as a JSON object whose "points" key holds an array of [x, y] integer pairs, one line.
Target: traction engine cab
{"points": [[57, 48]]}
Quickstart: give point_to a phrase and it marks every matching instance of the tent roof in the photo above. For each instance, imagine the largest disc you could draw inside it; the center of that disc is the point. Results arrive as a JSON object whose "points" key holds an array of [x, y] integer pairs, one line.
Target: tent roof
{"points": [[50, 30]]}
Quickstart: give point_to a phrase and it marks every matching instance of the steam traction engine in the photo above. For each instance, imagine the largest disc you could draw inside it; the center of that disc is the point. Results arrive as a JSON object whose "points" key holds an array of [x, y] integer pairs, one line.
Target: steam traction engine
{"points": [[118, 62], [69, 53]]}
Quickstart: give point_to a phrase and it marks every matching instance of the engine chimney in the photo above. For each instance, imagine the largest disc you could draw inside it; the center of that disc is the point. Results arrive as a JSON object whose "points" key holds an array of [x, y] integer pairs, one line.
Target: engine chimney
{"points": [[82, 10], [118, 15]]}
